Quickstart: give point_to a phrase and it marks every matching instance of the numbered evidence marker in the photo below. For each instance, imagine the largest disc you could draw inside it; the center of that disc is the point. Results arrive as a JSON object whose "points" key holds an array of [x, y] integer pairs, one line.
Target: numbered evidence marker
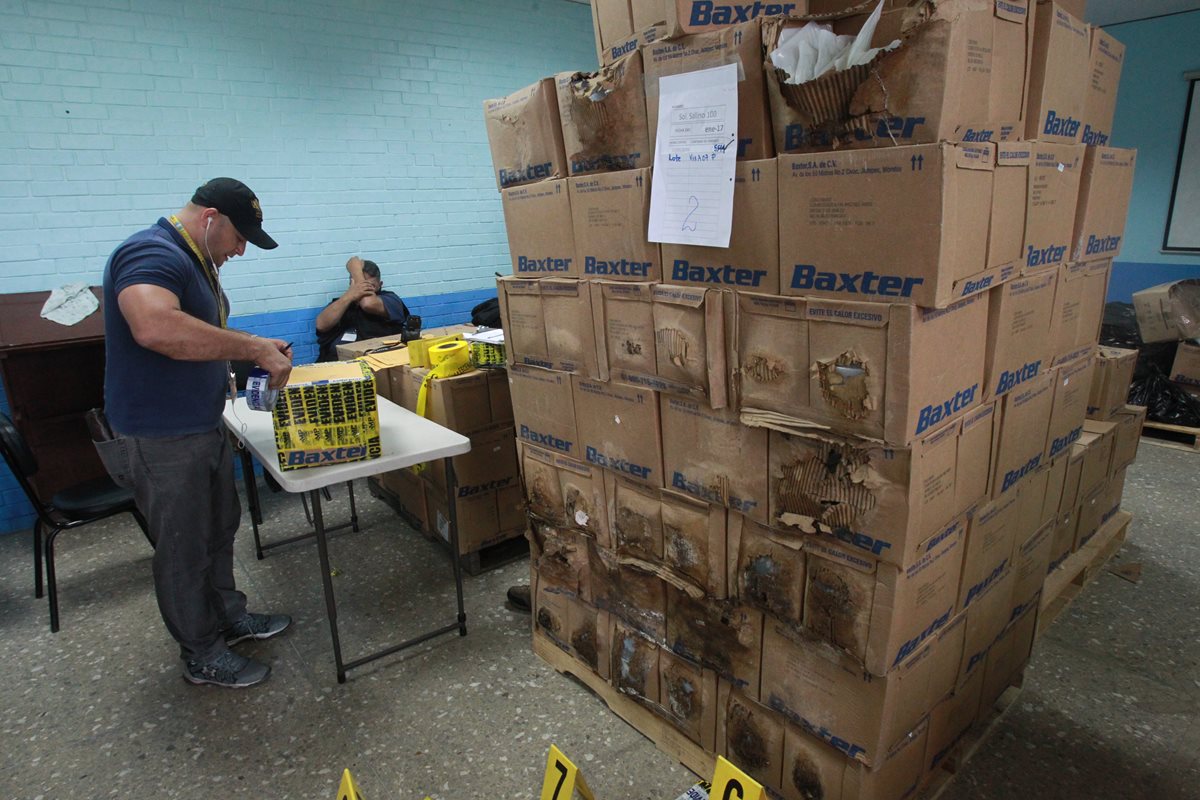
{"points": [[348, 790], [563, 778], [730, 783]]}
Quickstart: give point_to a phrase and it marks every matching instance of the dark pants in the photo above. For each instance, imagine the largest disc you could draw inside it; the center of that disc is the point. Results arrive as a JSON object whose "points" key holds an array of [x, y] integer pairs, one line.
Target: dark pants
{"points": [[184, 486]]}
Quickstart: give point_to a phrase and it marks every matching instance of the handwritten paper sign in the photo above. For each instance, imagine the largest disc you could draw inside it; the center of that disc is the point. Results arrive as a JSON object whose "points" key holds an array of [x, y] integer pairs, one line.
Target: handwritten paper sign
{"points": [[695, 154]]}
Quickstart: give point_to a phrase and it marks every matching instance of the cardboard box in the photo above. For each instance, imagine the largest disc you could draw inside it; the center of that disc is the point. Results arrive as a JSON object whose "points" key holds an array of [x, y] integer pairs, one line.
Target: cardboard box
{"points": [[987, 617], [478, 518], [696, 16], [1031, 512], [525, 135], [1110, 381], [890, 503], [1169, 311], [632, 592], [619, 429], [635, 667], [1104, 189], [461, 403], [1127, 436], [548, 324], [327, 414], [689, 698], [990, 541], [722, 635], [537, 218], [1010, 188], [1055, 483], [560, 557], [876, 612], [1098, 508], [408, 490], [612, 21], [662, 337], [572, 625], [604, 117], [490, 465], [943, 83], [767, 569], [1072, 386], [638, 39], [890, 225], [1023, 422], [1007, 658], [751, 735], [1185, 370], [740, 44], [565, 492], [1058, 76], [1032, 562], [610, 213], [751, 262], [1051, 199], [950, 719], [1020, 316], [1078, 309], [348, 351], [811, 768], [827, 694], [709, 454], [1106, 57], [891, 373], [1096, 442], [1063, 540], [544, 409]]}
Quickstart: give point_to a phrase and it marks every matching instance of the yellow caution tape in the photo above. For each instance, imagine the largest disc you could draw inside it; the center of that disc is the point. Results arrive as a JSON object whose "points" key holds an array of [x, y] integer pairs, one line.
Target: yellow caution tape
{"points": [[448, 359], [419, 349]]}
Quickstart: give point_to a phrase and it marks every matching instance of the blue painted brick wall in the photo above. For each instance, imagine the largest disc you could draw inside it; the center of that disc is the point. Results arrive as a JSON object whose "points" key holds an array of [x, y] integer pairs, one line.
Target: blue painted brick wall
{"points": [[359, 124]]}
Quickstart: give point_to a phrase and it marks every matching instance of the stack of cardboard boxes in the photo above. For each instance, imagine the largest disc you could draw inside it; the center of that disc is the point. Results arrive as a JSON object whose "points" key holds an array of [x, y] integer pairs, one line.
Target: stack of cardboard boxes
{"points": [[795, 501]]}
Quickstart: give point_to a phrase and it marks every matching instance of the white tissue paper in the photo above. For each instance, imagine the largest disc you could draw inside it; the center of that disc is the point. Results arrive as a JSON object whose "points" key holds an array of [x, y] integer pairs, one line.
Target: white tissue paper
{"points": [[807, 53], [69, 304]]}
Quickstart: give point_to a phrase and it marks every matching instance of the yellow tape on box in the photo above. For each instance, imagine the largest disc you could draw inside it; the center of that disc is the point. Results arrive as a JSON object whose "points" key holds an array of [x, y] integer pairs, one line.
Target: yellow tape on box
{"points": [[327, 414]]}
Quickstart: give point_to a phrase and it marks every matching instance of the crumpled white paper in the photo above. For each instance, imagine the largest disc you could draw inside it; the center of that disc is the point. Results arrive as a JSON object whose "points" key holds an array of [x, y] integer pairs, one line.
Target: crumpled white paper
{"points": [[808, 53], [69, 304]]}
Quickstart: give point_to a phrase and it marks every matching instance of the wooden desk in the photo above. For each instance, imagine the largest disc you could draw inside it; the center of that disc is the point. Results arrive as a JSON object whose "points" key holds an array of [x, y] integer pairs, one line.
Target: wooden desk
{"points": [[52, 375]]}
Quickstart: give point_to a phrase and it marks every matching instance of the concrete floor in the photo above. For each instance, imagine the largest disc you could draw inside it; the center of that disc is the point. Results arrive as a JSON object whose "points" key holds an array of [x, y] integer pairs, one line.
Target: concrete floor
{"points": [[1110, 707]]}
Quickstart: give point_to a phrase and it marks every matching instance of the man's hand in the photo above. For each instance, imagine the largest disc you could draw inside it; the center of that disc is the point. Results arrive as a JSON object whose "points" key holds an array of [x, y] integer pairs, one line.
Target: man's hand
{"points": [[355, 267], [358, 290], [275, 356]]}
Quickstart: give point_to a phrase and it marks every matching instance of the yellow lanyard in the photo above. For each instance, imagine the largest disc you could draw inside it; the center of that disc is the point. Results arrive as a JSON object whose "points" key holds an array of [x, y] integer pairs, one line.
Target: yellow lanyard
{"points": [[210, 271]]}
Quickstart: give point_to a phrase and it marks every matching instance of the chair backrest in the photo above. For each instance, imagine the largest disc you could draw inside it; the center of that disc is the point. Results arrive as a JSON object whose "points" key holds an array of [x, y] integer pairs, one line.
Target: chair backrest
{"points": [[18, 455]]}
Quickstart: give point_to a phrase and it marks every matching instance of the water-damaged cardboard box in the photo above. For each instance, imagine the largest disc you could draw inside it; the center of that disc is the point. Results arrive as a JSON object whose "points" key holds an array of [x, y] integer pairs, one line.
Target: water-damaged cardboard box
{"points": [[751, 262], [841, 235], [525, 135], [566, 492], [603, 117], [548, 323], [725, 636], [891, 373], [663, 337], [889, 503]]}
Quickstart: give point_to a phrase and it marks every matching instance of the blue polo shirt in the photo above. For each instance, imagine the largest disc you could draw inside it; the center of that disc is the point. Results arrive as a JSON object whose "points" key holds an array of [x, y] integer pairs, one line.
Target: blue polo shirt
{"points": [[146, 393]]}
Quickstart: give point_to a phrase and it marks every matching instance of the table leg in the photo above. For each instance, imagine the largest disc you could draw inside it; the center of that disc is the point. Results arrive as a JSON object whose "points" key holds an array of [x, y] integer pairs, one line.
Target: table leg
{"points": [[327, 582], [452, 483], [252, 497], [353, 510]]}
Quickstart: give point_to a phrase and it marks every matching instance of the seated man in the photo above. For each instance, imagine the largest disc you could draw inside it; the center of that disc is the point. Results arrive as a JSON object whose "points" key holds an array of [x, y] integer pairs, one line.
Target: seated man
{"points": [[364, 311]]}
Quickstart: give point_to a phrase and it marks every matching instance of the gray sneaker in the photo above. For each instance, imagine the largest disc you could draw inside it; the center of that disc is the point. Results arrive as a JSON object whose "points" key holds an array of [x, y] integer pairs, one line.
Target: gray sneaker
{"points": [[256, 626], [228, 669]]}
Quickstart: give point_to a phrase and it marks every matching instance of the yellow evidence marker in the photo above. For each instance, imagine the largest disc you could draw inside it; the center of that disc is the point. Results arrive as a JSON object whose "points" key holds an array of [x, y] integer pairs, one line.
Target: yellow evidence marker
{"points": [[348, 790], [563, 778], [730, 783]]}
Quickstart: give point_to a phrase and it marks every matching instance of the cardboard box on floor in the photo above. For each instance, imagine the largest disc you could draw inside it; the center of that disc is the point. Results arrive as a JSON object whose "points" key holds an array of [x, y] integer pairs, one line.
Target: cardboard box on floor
{"points": [[548, 324], [1052, 198], [1106, 57], [1104, 188], [1007, 657], [619, 429], [408, 490], [842, 236], [1058, 76], [958, 75], [480, 524], [1110, 381], [827, 694], [525, 135], [740, 44], [490, 465], [950, 719], [1169, 311], [1185, 369], [604, 117], [1020, 317], [751, 262], [609, 214], [544, 409], [537, 218], [889, 503], [662, 337], [1078, 308], [891, 373]]}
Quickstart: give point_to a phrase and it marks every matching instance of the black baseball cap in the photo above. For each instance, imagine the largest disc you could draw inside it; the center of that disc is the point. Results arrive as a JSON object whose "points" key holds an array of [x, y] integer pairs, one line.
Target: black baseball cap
{"points": [[235, 200]]}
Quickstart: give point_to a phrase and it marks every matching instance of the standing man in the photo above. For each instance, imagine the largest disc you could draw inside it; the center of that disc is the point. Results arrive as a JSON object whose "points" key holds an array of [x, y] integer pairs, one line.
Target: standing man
{"points": [[364, 311], [166, 378]]}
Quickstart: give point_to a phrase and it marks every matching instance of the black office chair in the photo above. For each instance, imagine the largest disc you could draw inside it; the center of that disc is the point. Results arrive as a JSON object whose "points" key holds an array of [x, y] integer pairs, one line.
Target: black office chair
{"points": [[72, 507]]}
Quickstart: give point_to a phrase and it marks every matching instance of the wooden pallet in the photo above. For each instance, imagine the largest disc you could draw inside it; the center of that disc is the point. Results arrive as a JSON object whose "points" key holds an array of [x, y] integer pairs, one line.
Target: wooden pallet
{"points": [[1080, 568], [1176, 437], [970, 743], [473, 563]]}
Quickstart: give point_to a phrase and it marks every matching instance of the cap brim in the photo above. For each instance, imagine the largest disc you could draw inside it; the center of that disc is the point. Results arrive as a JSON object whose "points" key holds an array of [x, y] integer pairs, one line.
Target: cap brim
{"points": [[258, 237]]}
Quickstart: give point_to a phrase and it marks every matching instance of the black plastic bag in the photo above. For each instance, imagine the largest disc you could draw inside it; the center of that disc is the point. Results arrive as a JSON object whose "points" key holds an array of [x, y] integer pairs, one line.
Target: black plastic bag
{"points": [[1165, 402], [487, 313], [1119, 328]]}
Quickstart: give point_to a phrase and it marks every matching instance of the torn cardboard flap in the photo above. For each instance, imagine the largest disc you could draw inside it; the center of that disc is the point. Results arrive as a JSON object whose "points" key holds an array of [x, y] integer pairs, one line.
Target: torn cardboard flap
{"points": [[525, 135], [722, 635], [604, 117]]}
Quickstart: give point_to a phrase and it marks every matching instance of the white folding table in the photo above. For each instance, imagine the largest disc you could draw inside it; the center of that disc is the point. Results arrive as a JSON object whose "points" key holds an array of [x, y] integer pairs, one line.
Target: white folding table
{"points": [[406, 439]]}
